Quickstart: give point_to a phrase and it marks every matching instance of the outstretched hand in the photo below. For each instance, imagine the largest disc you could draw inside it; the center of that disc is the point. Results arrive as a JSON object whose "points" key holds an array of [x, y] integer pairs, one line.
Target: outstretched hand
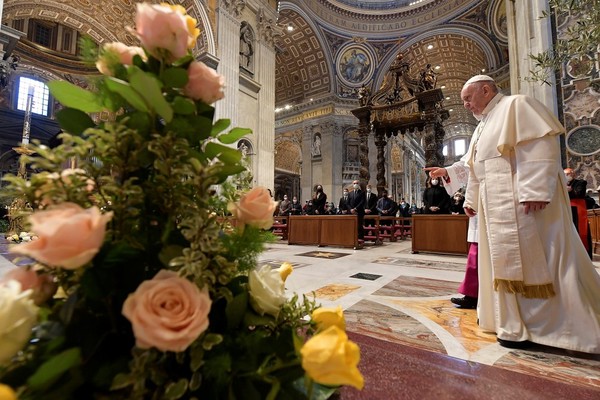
{"points": [[436, 172]]}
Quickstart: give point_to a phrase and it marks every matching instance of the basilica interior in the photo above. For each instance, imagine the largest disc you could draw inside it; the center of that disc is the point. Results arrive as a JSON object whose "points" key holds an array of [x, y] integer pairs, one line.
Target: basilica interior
{"points": [[316, 81]]}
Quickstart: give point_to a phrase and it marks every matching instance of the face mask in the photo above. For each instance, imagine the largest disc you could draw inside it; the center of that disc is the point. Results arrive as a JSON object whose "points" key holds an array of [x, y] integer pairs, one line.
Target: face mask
{"points": [[295, 201], [285, 197], [345, 194], [569, 178], [368, 190], [356, 186], [434, 181]]}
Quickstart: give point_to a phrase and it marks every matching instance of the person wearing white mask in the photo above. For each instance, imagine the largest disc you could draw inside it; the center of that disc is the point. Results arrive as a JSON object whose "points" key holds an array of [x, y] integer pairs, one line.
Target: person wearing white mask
{"points": [[356, 205], [435, 198], [536, 281]]}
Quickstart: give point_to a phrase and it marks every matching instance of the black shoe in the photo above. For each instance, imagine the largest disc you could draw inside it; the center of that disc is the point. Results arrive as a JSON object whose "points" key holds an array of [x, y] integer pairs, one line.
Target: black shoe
{"points": [[465, 302], [509, 344]]}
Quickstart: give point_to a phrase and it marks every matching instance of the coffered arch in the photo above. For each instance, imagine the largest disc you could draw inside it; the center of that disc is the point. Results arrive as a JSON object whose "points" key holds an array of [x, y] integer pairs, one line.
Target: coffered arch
{"points": [[302, 62], [103, 20]]}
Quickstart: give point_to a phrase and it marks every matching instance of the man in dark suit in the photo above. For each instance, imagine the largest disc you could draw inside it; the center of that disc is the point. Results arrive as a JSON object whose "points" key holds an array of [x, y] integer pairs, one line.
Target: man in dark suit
{"points": [[356, 204], [370, 205], [343, 204]]}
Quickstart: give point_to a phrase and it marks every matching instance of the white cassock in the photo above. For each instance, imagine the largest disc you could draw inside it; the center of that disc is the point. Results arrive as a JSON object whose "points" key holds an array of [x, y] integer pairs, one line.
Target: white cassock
{"points": [[536, 281]]}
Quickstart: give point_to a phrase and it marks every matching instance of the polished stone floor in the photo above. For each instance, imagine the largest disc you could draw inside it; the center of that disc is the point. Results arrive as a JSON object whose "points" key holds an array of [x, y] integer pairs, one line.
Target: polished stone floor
{"points": [[414, 343], [397, 306]]}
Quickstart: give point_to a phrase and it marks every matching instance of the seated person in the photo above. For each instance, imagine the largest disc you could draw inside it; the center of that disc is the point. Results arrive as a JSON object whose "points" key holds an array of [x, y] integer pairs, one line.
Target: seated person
{"points": [[456, 205]]}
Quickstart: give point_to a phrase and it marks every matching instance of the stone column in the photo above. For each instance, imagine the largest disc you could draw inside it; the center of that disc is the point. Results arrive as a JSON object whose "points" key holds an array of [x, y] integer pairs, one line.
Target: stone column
{"points": [[265, 70], [364, 127], [380, 143], [528, 34], [228, 39], [306, 179]]}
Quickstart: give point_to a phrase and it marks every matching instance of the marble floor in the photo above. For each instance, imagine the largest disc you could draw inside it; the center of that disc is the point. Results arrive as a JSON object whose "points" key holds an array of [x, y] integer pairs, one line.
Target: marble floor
{"points": [[414, 343], [399, 302]]}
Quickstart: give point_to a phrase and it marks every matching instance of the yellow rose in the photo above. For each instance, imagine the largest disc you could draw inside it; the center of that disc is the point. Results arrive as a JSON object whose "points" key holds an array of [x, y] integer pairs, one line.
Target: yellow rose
{"points": [[285, 270], [329, 358], [255, 208], [326, 317], [6, 392], [18, 315], [267, 290]]}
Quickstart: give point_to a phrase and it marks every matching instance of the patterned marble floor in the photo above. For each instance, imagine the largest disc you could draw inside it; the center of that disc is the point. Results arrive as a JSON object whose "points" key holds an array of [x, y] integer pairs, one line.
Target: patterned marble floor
{"points": [[401, 298], [417, 344]]}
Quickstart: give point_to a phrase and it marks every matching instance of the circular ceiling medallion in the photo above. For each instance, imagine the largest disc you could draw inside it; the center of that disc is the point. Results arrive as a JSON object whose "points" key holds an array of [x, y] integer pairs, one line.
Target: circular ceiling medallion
{"points": [[355, 64], [584, 140]]}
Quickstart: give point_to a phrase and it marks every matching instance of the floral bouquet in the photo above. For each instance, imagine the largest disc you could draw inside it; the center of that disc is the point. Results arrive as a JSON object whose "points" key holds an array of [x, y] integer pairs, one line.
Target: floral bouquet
{"points": [[139, 286], [21, 237]]}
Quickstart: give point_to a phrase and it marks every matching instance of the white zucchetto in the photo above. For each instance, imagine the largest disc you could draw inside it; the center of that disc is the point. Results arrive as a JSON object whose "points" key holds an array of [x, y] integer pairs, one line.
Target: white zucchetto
{"points": [[479, 78]]}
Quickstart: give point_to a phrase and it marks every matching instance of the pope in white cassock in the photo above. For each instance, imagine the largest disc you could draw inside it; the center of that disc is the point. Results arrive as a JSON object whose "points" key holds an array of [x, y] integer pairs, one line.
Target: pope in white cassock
{"points": [[536, 281]]}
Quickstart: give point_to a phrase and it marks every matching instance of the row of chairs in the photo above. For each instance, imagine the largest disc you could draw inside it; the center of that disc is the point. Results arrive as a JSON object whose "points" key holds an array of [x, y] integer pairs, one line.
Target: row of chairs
{"points": [[376, 228]]}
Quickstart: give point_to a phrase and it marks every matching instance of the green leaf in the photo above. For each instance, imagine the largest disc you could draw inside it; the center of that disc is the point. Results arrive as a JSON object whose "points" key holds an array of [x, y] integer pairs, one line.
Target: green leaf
{"points": [[183, 106], [234, 135], [74, 121], [150, 89], [211, 340], [226, 154], [229, 170], [236, 309], [220, 126], [169, 252], [176, 390], [73, 96], [253, 319], [183, 61], [50, 371], [128, 93], [175, 77]]}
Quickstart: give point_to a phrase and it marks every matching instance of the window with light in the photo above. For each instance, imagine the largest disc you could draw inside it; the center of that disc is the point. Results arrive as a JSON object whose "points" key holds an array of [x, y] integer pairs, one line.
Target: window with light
{"points": [[445, 150], [40, 95], [460, 147]]}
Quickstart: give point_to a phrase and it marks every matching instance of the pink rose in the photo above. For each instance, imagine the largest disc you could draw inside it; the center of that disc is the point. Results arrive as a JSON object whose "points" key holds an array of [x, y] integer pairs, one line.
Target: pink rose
{"points": [[168, 312], [165, 31], [117, 52], [255, 208], [42, 285], [204, 83], [68, 235]]}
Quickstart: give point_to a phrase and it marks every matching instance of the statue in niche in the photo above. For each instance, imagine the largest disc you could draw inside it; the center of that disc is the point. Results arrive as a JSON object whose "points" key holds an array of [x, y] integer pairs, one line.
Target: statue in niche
{"points": [[316, 145], [246, 45]]}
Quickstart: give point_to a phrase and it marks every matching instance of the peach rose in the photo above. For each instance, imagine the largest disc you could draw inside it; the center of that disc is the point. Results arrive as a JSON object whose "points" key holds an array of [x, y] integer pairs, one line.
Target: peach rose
{"points": [[165, 31], [204, 83], [68, 235], [42, 285], [329, 358], [117, 52], [168, 312], [255, 208]]}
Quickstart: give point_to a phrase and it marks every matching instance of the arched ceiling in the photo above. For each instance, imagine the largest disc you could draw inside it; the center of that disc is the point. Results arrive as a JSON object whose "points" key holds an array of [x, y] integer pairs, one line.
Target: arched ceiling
{"points": [[462, 38]]}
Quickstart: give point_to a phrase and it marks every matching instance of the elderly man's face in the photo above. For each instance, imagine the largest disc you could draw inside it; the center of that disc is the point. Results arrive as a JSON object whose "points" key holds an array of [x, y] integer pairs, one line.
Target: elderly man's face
{"points": [[476, 97]]}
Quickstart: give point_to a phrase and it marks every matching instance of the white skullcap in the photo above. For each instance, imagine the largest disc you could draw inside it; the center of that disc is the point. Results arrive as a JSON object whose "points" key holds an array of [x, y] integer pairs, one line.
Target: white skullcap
{"points": [[479, 78]]}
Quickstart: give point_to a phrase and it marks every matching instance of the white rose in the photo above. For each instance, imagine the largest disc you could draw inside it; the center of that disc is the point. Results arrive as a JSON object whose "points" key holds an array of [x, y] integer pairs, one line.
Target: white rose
{"points": [[267, 290], [23, 234], [10, 238], [18, 315]]}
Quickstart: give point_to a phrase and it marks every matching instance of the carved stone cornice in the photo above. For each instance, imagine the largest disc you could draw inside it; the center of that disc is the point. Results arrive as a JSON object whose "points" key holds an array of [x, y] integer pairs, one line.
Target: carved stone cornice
{"points": [[267, 28], [233, 7]]}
